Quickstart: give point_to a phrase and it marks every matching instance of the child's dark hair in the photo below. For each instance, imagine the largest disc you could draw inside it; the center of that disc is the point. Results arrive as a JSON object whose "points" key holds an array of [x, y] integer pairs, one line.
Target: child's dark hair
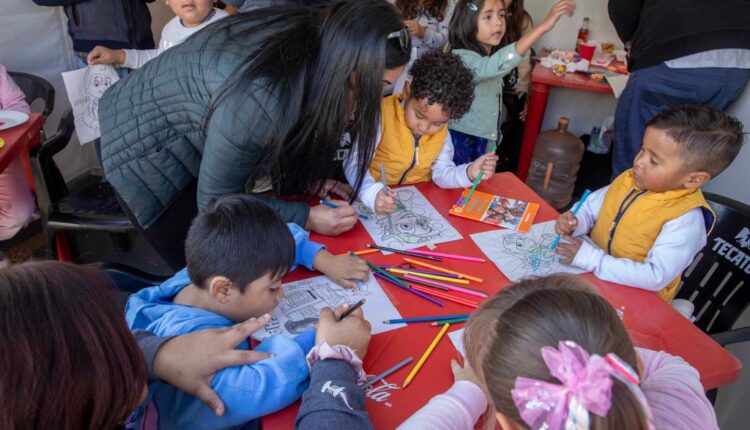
{"points": [[411, 8], [709, 139], [516, 18], [462, 33], [505, 336], [239, 237], [442, 77]]}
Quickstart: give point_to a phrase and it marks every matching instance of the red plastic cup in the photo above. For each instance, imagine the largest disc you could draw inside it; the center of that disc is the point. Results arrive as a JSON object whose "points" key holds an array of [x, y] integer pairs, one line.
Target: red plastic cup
{"points": [[587, 51]]}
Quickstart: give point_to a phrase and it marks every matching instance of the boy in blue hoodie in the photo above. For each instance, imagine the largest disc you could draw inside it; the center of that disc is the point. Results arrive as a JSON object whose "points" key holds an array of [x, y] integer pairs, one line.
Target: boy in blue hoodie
{"points": [[237, 251]]}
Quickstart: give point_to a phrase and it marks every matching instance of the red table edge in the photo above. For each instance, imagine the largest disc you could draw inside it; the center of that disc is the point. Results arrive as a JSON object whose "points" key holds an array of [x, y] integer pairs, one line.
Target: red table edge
{"points": [[32, 129]]}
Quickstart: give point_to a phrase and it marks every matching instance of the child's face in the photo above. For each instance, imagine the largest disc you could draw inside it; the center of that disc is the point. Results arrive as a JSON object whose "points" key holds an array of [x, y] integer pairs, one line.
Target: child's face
{"points": [[423, 118], [491, 24], [659, 166], [260, 297], [191, 12]]}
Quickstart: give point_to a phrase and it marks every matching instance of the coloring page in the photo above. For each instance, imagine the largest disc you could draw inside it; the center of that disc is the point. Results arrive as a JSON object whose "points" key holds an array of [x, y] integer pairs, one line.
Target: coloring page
{"points": [[523, 255], [300, 307], [415, 223], [85, 87], [457, 339]]}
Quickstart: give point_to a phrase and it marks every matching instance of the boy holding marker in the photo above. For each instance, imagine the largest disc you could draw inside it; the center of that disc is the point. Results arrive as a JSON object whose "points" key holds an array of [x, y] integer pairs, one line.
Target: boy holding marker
{"points": [[414, 143], [647, 226]]}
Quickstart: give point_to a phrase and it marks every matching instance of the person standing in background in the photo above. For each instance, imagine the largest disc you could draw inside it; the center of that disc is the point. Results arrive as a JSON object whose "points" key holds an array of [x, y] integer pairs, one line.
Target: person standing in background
{"points": [[122, 24], [681, 51]]}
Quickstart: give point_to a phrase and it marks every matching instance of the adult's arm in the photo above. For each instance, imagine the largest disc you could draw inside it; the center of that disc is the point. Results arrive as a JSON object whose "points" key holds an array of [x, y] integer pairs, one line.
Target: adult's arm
{"points": [[235, 136], [625, 15]]}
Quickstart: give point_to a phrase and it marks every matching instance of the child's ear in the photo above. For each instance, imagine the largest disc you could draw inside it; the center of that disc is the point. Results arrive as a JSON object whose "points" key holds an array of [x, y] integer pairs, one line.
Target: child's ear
{"points": [[220, 288], [407, 89], [697, 179]]}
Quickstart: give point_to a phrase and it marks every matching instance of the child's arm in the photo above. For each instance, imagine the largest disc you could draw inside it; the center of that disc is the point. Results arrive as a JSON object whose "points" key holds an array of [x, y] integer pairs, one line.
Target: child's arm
{"points": [[136, 58], [674, 392], [562, 7], [446, 174], [673, 251], [251, 391], [583, 222], [371, 193], [459, 408], [11, 97], [342, 269]]}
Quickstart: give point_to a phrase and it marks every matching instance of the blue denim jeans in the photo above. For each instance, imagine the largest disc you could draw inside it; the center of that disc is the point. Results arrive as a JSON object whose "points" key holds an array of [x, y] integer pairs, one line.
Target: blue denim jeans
{"points": [[466, 147], [654, 89]]}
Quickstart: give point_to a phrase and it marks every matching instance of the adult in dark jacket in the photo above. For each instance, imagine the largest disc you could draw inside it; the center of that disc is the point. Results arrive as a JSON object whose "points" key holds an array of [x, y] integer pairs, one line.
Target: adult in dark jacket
{"points": [[121, 24], [681, 51], [268, 93]]}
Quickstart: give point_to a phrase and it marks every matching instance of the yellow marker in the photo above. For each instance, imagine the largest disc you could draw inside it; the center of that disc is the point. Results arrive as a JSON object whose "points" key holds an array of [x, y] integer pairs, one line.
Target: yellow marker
{"points": [[425, 356], [440, 269], [429, 276], [2, 142]]}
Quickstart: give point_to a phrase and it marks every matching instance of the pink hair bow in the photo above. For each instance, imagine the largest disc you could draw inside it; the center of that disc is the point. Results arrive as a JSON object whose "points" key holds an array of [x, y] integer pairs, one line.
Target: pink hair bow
{"points": [[586, 387]]}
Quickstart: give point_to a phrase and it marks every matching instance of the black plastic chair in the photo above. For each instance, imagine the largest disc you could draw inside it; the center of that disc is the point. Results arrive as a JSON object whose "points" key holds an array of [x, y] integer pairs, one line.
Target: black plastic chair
{"points": [[93, 208], [718, 280], [128, 280], [35, 88]]}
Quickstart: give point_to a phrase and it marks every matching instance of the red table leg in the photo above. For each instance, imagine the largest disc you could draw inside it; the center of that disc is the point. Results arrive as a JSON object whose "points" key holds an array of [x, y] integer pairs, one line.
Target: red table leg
{"points": [[537, 105]]}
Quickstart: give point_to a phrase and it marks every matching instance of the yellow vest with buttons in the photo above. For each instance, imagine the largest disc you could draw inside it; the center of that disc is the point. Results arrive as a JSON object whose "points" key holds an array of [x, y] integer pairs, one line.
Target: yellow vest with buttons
{"points": [[406, 160], [641, 217]]}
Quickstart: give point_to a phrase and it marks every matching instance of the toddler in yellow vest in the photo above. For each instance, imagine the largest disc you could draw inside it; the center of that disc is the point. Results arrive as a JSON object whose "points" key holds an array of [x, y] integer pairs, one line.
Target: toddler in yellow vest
{"points": [[648, 225], [414, 143]]}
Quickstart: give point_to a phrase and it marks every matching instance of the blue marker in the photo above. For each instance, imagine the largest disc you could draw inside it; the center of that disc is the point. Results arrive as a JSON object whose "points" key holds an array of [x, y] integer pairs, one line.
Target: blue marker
{"points": [[575, 212], [331, 205]]}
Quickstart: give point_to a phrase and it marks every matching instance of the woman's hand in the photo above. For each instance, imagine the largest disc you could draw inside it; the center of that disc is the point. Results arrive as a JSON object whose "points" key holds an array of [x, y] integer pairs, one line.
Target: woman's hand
{"points": [[331, 221]]}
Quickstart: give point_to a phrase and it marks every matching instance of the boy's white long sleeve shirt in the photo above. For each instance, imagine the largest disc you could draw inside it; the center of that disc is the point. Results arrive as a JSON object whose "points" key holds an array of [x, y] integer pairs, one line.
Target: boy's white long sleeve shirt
{"points": [[673, 251], [172, 34], [445, 173]]}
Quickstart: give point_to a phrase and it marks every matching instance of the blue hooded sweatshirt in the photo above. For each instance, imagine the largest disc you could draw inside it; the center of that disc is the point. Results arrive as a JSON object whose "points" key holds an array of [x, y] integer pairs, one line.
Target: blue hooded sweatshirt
{"points": [[249, 392]]}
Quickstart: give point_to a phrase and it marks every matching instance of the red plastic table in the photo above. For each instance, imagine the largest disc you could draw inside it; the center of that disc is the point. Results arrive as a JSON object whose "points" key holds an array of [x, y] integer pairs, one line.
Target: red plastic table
{"points": [[541, 80], [19, 140], [651, 322]]}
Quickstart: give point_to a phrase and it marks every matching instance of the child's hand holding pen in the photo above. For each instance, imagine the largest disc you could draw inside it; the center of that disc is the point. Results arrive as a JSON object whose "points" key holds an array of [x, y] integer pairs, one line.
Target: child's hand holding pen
{"points": [[385, 202], [485, 164], [566, 224]]}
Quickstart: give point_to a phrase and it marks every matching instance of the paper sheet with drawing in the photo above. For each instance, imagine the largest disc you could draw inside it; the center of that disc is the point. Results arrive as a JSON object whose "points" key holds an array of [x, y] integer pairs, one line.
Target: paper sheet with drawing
{"points": [[522, 255], [85, 87], [303, 300], [457, 339], [415, 223]]}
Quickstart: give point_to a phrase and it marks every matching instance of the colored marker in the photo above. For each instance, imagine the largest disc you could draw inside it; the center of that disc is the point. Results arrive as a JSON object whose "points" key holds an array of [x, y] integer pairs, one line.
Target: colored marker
{"points": [[369, 383], [426, 319], [352, 309], [428, 276], [425, 356], [426, 272], [411, 290], [455, 288], [333, 206], [402, 252], [578, 205], [476, 181], [453, 321], [362, 252], [446, 296], [440, 269], [382, 272], [449, 256]]}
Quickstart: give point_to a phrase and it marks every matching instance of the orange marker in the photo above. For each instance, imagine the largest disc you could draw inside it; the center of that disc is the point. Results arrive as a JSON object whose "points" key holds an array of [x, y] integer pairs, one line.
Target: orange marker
{"points": [[362, 252]]}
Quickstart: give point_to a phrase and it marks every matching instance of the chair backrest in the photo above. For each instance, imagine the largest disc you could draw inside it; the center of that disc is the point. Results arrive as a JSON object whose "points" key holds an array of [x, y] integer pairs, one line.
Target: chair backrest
{"points": [[48, 181], [35, 88], [718, 280]]}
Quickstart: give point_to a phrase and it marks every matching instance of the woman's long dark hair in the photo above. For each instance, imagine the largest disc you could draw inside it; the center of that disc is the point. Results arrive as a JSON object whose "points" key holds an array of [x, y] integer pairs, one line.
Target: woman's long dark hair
{"points": [[322, 64], [411, 8]]}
